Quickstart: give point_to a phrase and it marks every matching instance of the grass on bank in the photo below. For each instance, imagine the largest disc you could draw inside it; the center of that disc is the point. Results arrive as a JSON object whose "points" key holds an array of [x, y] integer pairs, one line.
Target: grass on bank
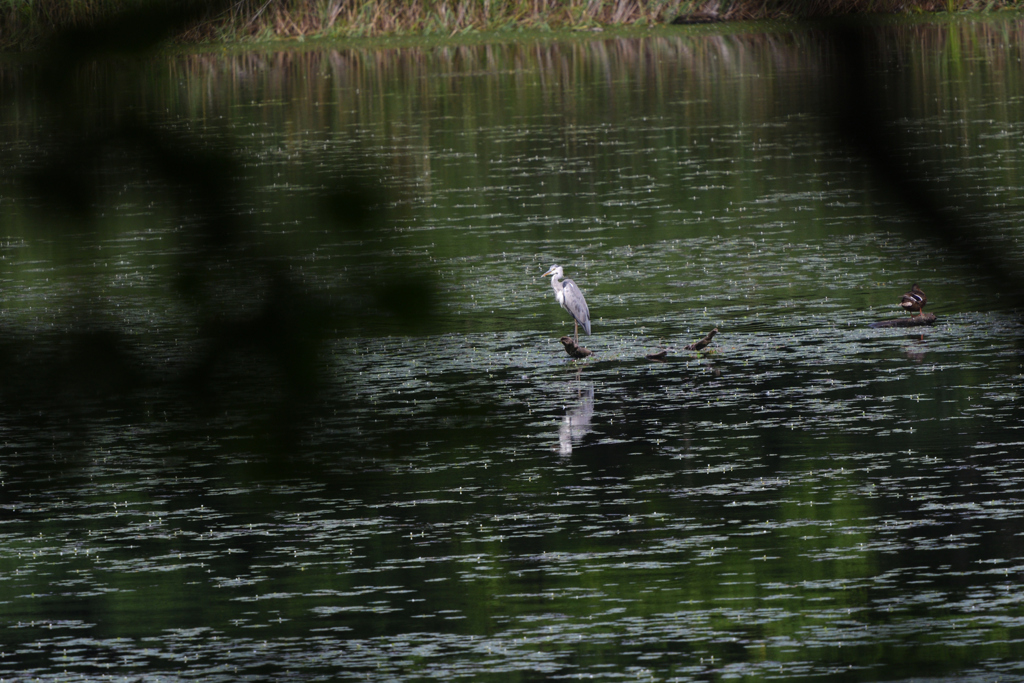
{"points": [[24, 23]]}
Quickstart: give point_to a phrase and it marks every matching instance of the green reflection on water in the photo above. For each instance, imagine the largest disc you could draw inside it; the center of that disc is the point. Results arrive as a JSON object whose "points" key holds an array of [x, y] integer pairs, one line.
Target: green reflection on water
{"points": [[814, 499]]}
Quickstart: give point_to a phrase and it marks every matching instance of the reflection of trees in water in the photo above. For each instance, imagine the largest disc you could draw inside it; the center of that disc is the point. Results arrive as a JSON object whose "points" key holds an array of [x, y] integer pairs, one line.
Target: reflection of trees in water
{"points": [[419, 80]]}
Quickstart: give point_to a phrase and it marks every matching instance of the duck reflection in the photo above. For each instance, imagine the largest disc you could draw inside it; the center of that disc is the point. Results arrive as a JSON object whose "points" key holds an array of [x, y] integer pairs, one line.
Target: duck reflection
{"points": [[915, 351], [576, 423]]}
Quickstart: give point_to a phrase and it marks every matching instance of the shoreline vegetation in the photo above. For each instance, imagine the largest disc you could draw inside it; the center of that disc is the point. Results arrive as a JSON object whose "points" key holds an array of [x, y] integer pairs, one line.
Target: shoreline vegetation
{"points": [[26, 24]]}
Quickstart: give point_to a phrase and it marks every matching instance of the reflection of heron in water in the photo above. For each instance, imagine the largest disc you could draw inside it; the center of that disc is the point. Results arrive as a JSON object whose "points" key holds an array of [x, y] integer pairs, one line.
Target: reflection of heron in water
{"points": [[576, 423]]}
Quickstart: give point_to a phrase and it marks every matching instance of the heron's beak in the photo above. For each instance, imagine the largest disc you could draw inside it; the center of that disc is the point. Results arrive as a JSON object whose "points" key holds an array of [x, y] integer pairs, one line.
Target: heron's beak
{"points": [[548, 273]]}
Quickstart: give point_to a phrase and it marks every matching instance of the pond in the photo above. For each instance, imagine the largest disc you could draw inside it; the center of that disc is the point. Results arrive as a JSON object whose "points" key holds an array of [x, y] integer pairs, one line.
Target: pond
{"points": [[284, 394]]}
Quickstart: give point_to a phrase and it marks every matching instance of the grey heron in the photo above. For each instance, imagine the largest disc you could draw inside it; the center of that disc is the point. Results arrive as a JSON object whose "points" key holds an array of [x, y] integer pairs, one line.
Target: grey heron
{"points": [[571, 299]]}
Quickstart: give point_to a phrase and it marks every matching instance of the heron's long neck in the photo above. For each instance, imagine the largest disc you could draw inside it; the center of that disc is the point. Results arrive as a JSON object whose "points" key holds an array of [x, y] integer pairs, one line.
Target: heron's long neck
{"points": [[556, 284]]}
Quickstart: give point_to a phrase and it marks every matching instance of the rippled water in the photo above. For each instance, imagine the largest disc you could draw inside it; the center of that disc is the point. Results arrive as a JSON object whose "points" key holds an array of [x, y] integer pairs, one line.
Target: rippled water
{"points": [[451, 495]]}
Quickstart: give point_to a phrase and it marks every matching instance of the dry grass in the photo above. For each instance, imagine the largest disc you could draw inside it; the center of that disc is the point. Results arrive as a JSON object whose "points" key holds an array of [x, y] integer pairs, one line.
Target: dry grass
{"points": [[25, 22]]}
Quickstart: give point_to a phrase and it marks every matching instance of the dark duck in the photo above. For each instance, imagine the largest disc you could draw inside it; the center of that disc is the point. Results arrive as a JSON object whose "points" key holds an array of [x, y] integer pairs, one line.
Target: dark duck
{"points": [[914, 300]]}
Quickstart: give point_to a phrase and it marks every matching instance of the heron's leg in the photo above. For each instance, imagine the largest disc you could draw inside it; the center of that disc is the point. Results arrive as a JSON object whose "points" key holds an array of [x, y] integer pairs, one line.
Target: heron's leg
{"points": [[576, 331]]}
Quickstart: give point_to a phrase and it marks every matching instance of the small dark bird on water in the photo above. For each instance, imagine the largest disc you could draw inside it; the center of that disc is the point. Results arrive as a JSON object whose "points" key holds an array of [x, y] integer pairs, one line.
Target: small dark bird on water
{"points": [[574, 349], [697, 346], [914, 300]]}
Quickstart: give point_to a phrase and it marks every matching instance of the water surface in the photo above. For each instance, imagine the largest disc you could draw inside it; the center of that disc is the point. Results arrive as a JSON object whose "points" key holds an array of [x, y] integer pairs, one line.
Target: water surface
{"points": [[310, 417]]}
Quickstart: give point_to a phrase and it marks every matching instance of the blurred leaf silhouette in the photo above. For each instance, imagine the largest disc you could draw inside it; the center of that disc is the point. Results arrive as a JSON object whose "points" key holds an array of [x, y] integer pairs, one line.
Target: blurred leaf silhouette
{"points": [[861, 115], [260, 329]]}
